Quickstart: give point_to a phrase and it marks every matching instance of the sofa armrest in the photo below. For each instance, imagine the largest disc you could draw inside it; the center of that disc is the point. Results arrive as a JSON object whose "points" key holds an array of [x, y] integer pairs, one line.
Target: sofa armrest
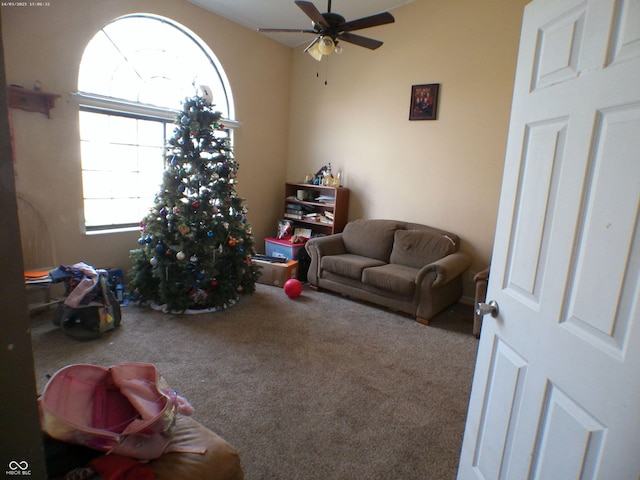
{"points": [[329, 245], [445, 269], [319, 247]]}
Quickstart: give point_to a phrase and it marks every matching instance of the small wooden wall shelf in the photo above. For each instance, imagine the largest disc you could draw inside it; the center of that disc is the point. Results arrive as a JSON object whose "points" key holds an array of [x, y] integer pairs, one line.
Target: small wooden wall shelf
{"points": [[31, 100]]}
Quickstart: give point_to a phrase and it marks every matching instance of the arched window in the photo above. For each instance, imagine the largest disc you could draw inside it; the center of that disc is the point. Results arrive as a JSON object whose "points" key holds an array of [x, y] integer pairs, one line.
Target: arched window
{"points": [[134, 74]]}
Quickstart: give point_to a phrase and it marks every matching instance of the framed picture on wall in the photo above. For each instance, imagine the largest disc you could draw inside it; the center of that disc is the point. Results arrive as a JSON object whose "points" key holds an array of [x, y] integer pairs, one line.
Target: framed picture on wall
{"points": [[424, 101]]}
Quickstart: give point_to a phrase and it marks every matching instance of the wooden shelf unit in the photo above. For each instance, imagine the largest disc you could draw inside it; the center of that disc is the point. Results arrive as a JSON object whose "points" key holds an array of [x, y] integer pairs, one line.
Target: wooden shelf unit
{"points": [[338, 208]]}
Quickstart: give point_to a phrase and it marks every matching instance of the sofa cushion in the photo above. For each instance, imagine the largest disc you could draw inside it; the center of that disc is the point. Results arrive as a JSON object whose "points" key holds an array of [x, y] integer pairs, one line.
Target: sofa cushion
{"points": [[370, 238], [348, 264], [395, 278], [417, 248]]}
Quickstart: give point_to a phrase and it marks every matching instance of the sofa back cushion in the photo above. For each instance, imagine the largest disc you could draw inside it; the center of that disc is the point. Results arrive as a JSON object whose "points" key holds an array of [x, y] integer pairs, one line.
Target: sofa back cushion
{"points": [[417, 248], [370, 238]]}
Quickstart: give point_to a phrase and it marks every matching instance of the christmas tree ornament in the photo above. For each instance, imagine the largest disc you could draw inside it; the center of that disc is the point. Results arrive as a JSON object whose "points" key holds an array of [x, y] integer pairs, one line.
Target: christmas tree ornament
{"points": [[180, 255], [154, 261], [193, 259], [206, 93]]}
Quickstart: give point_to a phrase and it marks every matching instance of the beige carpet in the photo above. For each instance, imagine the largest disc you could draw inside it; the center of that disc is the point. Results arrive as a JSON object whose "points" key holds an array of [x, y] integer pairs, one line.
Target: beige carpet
{"points": [[320, 387]]}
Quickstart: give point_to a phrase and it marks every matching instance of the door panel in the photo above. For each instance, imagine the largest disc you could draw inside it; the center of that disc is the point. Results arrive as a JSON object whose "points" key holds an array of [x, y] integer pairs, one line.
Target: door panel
{"points": [[608, 237], [570, 441], [500, 409]]}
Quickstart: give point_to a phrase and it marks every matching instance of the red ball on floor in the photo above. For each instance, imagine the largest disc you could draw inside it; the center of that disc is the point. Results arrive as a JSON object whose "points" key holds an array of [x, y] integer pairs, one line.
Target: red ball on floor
{"points": [[293, 288]]}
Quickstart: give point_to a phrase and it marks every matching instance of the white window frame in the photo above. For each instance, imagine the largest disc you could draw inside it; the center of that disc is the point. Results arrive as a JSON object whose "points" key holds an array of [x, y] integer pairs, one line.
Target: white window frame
{"points": [[107, 105]]}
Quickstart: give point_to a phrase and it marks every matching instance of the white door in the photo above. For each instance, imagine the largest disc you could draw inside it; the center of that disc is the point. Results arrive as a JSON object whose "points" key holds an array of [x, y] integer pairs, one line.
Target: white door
{"points": [[556, 391]]}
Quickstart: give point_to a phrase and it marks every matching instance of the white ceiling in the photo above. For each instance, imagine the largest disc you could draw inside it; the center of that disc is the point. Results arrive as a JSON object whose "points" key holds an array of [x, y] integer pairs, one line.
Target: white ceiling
{"points": [[285, 14]]}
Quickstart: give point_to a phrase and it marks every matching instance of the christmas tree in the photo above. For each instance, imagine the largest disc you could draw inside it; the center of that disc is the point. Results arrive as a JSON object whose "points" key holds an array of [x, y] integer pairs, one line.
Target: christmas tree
{"points": [[196, 244]]}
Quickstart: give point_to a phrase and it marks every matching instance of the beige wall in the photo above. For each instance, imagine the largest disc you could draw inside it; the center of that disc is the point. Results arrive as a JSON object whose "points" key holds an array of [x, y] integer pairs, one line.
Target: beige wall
{"points": [[47, 43], [444, 173]]}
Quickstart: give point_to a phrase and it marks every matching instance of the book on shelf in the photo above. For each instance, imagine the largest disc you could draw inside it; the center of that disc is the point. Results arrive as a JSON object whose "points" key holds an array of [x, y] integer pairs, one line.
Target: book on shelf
{"points": [[294, 216], [326, 199]]}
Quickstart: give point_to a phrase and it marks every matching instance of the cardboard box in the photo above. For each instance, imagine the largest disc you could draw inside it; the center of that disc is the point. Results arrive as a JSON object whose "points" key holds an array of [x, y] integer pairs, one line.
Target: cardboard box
{"points": [[276, 274], [282, 247]]}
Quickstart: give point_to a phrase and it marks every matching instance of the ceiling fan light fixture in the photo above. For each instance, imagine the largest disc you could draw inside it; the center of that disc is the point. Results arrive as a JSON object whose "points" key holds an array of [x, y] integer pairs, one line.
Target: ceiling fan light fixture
{"points": [[326, 45], [314, 51]]}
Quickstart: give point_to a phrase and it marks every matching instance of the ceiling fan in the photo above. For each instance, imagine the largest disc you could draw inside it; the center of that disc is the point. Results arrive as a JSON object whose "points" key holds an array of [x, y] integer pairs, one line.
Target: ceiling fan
{"points": [[330, 28]]}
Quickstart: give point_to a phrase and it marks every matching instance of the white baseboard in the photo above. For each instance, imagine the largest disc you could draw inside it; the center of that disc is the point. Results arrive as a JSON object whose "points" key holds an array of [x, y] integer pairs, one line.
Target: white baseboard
{"points": [[467, 300]]}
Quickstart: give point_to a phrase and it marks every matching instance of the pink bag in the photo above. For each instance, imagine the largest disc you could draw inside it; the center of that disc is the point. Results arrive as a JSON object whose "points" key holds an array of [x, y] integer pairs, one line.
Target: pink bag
{"points": [[127, 409]]}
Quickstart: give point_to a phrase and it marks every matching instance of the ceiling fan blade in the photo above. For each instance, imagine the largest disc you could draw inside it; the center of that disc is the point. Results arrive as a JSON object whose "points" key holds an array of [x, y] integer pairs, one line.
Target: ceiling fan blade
{"points": [[359, 40], [367, 22], [312, 12], [286, 30]]}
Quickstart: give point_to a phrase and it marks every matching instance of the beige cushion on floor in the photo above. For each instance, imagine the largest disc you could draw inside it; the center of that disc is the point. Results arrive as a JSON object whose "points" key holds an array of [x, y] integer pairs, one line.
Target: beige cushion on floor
{"points": [[219, 462]]}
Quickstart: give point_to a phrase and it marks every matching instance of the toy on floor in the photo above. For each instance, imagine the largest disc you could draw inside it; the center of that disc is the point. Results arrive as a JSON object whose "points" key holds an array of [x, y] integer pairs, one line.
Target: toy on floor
{"points": [[292, 288]]}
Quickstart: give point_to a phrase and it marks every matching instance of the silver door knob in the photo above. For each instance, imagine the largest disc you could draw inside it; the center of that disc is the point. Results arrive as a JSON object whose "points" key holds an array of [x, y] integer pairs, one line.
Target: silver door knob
{"points": [[484, 308]]}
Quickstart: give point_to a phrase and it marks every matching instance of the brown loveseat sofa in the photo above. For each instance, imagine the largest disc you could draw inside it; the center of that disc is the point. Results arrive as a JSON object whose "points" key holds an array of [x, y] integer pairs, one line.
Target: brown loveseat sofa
{"points": [[408, 267]]}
